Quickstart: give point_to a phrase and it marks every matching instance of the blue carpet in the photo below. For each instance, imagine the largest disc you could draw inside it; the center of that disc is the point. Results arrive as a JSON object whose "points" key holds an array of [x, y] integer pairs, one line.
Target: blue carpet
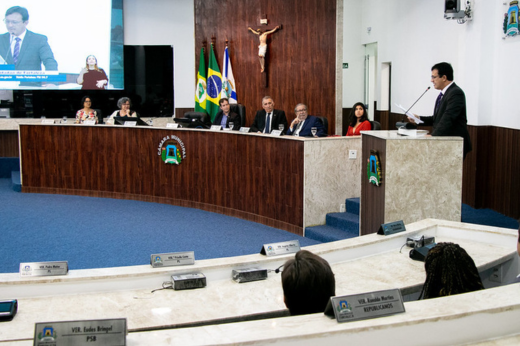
{"points": [[102, 232]]}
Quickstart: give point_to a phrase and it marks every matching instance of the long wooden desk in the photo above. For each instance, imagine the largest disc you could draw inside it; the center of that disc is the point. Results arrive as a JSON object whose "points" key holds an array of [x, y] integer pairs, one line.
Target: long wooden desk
{"points": [[284, 182]]}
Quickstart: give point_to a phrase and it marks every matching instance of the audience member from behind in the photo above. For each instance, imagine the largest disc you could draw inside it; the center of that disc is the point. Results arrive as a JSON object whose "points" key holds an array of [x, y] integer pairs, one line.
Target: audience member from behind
{"points": [[308, 283], [225, 116], [91, 77], [268, 118], [449, 270], [125, 110], [358, 120], [303, 123], [86, 113]]}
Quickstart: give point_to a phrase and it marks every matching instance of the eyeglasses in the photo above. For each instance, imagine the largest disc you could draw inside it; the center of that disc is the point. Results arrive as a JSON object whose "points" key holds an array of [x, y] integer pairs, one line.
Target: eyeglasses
{"points": [[12, 22], [301, 110], [433, 77]]}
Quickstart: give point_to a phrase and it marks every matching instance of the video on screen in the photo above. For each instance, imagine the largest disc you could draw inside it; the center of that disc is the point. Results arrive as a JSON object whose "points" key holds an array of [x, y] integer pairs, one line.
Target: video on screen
{"points": [[61, 45]]}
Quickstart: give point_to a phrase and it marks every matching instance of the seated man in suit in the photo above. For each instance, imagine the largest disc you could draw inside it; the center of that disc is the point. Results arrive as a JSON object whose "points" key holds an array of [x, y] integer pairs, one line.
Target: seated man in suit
{"points": [[269, 118], [308, 283], [303, 123], [225, 116], [23, 48]]}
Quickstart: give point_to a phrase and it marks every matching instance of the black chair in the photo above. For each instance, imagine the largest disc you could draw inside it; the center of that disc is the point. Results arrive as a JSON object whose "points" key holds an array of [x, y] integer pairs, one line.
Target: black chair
{"points": [[376, 126], [325, 123], [240, 109], [194, 120], [99, 115]]}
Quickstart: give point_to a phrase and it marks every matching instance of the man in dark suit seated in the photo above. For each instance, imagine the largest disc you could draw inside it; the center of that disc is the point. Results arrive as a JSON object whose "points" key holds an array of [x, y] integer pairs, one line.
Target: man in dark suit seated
{"points": [[303, 123], [23, 48], [269, 118], [225, 116]]}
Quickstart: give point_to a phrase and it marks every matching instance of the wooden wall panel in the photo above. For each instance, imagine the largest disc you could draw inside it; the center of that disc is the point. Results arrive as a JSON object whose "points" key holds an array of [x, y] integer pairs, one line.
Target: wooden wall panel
{"points": [[300, 57], [9, 144], [239, 175]]}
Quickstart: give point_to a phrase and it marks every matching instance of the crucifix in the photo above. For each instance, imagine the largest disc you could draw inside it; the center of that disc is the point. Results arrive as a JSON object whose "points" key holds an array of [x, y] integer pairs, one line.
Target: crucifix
{"points": [[262, 36]]}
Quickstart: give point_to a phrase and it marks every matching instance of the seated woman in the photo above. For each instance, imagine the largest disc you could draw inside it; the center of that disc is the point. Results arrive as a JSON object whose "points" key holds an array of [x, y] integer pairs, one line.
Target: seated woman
{"points": [[449, 270], [86, 113], [358, 120], [124, 105]]}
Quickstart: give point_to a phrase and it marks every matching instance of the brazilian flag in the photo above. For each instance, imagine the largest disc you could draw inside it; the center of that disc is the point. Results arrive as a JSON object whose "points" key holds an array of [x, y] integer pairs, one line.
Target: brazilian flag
{"points": [[200, 91], [214, 85]]}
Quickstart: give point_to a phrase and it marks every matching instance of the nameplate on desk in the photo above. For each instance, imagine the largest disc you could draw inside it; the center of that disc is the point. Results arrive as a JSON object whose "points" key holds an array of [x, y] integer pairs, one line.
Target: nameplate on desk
{"points": [[226, 129], [44, 268], [244, 129], [391, 228], [364, 306], [172, 125], [282, 248], [47, 121], [172, 259], [89, 122], [79, 333], [215, 128], [276, 133], [130, 123]]}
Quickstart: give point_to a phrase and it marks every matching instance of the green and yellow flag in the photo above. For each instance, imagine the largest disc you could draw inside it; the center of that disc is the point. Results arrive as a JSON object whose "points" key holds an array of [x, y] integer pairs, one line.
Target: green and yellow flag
{"points": [[200, 91], [214, 86]]}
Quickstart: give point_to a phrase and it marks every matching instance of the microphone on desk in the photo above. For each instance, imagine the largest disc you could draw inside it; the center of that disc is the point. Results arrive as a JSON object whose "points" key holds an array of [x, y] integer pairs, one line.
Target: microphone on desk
{"points": [[409, 125]]}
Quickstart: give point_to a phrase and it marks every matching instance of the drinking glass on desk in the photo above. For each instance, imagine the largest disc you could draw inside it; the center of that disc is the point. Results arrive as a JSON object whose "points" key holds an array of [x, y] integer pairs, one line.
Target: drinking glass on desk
{"points": [[64, 120], [314, 130], [231, 125], [280, 127]]}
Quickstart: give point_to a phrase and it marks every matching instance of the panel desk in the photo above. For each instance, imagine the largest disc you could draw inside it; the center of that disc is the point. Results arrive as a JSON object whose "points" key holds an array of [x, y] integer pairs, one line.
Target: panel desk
{"points": [[283, 182], [222, 312]]}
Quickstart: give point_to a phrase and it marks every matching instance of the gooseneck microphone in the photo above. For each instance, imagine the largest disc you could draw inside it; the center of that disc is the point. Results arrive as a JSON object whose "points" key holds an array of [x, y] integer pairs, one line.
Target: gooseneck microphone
{"points": [[408, 125]]}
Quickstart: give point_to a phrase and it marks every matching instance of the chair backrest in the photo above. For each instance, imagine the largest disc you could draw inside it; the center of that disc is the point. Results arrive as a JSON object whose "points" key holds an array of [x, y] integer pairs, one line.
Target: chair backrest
{"points": [[195, 115], [240, 109], [99, 115], [376, 126], [325, 123]]}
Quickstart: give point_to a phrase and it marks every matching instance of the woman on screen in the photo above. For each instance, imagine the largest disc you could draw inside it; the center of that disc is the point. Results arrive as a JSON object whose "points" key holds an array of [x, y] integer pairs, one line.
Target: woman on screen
{"points": [[358, 120], [86, 113], [92, 77]]}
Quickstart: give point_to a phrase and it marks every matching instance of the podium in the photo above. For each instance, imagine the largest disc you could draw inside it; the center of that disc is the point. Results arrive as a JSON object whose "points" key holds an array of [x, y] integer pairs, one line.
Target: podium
{"points": [[420, 178]]}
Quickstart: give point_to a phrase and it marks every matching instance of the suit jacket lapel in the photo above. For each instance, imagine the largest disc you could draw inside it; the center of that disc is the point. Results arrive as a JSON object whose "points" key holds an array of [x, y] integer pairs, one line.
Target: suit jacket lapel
{"points": [[25, 45]]}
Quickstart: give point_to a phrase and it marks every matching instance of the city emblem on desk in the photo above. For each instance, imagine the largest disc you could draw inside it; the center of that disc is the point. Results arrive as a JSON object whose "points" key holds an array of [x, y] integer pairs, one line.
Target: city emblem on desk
{"points": [[511, 24], [374, 168], [172, 150]]}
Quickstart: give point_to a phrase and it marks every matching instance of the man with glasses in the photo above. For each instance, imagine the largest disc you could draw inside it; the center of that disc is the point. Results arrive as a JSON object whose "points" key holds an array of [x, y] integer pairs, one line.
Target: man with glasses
{"points": [[23, 48], [449, 116], [304, 123]]}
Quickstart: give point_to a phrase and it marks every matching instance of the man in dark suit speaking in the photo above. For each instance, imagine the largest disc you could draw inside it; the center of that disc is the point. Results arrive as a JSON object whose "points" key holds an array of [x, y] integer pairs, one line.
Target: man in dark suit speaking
{"points": [[449, 116], [269, 118], [23, 48]]}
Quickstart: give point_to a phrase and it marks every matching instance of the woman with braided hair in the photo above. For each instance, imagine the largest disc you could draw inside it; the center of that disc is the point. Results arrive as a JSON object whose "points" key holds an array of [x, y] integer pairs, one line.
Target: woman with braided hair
{"points": [[449, 270]]}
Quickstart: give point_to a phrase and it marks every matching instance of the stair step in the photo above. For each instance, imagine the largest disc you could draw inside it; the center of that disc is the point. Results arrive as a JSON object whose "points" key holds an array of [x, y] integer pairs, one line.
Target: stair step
{"points": [[16, 180], [352, 205], [327, 234], [345, 221]]}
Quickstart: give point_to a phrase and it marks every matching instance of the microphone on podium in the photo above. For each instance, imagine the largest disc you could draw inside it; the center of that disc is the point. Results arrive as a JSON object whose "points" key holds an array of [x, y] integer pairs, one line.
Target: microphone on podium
{"points": [[408, 125]]}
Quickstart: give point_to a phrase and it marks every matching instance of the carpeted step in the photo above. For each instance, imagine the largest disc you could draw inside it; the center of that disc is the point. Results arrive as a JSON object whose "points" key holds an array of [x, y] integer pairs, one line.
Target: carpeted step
{"points": [[352, 205], [327, 234], [345, 221], [16, 180], [7, 165]]}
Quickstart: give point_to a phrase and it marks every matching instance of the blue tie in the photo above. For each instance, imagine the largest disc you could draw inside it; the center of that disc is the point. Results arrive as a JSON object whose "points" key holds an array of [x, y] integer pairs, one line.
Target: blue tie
{"points": [[437, 103], [267, 123], [16, 50]]}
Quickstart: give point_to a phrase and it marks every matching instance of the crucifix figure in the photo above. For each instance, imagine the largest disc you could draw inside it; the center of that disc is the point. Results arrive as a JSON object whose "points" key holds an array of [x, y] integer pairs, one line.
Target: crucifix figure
{"points": [[262, 48]]}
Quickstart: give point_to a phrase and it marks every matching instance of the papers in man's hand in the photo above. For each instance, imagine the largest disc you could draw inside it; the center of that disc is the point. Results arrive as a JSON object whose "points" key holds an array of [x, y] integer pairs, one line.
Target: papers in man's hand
{"points": [[417, 120]]}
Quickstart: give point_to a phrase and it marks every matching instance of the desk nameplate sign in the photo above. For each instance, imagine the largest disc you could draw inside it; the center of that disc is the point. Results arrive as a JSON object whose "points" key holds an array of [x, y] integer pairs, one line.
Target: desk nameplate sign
{"points": [[391, 228], [44, 268], [79, 333], [215, 128], [282, 248], [172, 259], [89, 122], [172, 125], [366, 305], [244, 129], [130, 123], [47, 121], [276, 133]]}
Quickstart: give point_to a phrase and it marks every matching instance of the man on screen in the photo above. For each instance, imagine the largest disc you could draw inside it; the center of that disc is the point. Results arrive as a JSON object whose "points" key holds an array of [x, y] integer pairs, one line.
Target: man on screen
{"points": [[23, 48]]}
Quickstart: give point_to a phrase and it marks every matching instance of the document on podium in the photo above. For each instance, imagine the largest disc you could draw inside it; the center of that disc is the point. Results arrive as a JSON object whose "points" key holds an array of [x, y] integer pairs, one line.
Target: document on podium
{"points": [[417, 120]]}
